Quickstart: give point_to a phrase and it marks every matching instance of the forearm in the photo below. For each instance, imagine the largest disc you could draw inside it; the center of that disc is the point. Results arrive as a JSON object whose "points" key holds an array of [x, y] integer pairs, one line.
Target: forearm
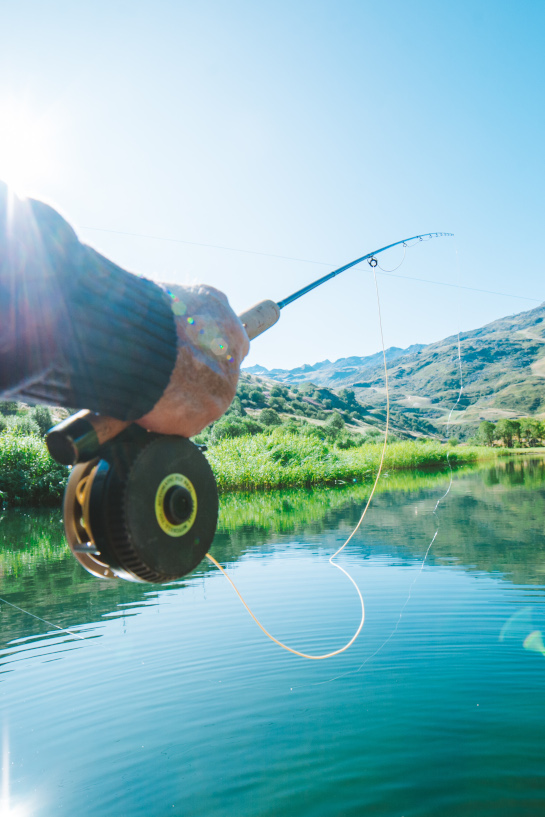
{"points": [[75, 329]]}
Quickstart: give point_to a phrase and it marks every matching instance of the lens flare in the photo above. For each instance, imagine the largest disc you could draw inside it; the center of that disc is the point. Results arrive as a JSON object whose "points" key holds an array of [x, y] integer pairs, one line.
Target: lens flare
{"points": [[534, 642], [9, 807], [520, 628], [26, 146]]}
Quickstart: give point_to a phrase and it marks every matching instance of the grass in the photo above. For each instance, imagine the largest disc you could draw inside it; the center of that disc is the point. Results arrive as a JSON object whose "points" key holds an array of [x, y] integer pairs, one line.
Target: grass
{"points": [[280, 459], [284, 460]]}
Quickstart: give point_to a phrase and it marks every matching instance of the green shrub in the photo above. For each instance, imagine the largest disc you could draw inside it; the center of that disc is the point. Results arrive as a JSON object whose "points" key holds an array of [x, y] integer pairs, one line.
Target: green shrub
{"points": [[345, 441], [228, 426], [22, 425], [28, 475], [252, 426], [236, 408], [269, 417], [257, 396], [42, 417], [8, 407], [336, 421]]}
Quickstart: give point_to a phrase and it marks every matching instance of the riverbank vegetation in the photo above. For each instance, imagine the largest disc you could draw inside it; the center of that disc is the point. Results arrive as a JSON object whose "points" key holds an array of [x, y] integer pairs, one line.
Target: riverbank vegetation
{"points": [[248, 449], [284, 459], [526, 432]]}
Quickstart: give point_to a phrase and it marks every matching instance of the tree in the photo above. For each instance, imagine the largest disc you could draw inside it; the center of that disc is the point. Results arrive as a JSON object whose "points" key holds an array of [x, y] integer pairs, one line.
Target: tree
{"points": [[486, 432], [256, 396], [334, 426], [347, 395], [505, 429], [269, 417], [531, 430], [277, 403], [251, 426], [336, 421], [236, 408]]}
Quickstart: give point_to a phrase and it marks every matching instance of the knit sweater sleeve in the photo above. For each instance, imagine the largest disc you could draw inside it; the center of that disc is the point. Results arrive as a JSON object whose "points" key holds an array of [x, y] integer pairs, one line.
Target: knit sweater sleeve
{"points": [[75, 329]]}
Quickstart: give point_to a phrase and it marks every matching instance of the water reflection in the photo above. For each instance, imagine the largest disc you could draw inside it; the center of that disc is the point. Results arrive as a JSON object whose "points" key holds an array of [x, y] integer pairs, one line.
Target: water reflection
{"points": [[492, 521], [174, 702]]}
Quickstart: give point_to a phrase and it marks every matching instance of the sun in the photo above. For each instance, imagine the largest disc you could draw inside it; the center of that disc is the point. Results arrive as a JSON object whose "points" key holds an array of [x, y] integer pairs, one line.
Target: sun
{"points": [[26, 146]]}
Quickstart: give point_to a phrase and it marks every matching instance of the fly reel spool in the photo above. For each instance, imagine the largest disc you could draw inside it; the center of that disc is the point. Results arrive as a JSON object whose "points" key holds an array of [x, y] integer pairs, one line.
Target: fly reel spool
{"points": [[145, 511]]}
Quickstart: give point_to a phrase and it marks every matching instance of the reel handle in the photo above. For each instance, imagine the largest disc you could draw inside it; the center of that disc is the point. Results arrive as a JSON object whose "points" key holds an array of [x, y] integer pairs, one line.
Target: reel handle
{"points": [[79, 437]]}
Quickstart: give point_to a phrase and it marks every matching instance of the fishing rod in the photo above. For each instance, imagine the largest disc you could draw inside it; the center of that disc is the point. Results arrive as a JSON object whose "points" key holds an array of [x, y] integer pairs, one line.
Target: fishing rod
{"points": [[143, 506], [266, 313]]}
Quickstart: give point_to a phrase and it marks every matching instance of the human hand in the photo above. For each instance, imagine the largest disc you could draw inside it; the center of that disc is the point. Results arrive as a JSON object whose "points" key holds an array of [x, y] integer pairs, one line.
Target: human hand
{"points": [[211, 346]]}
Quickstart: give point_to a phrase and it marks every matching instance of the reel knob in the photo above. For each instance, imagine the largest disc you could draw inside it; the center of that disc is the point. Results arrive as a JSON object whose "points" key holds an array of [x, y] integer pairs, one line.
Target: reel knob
{"points": [[146, 511]]}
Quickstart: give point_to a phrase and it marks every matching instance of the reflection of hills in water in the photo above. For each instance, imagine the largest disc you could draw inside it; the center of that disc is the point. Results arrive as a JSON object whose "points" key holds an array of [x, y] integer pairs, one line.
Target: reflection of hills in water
{"points": [[492, 520]]}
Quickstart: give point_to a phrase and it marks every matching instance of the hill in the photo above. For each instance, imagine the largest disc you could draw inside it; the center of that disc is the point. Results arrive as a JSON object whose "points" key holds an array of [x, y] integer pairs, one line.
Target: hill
{"points": [[502, 366]]}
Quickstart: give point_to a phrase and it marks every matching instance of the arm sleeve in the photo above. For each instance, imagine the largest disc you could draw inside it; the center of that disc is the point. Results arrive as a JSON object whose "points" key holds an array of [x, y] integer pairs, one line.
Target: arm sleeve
{"points": [[75, 329]]}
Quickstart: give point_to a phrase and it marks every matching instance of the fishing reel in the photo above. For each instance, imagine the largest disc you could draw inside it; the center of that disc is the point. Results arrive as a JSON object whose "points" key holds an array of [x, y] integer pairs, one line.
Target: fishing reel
{"points": [[143, 508]]}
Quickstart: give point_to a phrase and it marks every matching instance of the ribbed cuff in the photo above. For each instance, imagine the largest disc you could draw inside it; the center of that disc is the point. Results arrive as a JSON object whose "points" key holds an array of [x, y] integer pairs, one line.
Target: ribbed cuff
{"points": [[120, 346], [125, 340], [77, 330]]}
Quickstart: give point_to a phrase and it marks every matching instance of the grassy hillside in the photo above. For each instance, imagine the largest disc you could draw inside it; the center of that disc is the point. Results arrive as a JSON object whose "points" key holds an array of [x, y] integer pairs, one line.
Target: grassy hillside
{"points": [[502, 368], [315, 407]]}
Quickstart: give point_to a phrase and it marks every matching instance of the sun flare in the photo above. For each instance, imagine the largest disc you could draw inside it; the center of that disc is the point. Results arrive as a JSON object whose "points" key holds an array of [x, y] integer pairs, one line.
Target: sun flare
{"points": [[9, 808], [26, 147]]}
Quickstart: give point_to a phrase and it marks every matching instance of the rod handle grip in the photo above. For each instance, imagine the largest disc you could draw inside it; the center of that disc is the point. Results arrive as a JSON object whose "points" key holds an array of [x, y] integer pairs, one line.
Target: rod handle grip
{"points": [[259, 318]]}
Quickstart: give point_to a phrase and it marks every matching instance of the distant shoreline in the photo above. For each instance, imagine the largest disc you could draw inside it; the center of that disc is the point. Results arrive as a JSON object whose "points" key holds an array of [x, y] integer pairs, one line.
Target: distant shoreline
{"points": [[263, 462]]}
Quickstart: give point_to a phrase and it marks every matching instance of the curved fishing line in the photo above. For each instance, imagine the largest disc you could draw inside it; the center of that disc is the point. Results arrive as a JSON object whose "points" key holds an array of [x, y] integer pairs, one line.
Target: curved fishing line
{"points": [[434, 537], [434, 512], [331, 558], [400, 263]]}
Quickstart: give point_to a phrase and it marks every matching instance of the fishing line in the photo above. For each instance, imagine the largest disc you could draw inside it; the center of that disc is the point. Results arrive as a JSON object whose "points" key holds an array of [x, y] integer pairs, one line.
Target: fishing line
{"points": [[400, 263], [44, 620], [362, 517], [434, 513], [461, 286], [210, 246], [318, 263]]}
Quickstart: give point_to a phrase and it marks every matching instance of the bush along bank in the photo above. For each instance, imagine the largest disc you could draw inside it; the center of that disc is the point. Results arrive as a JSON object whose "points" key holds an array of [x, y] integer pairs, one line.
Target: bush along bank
{"points": [[278, 459], [28, 475], [283, 459]]}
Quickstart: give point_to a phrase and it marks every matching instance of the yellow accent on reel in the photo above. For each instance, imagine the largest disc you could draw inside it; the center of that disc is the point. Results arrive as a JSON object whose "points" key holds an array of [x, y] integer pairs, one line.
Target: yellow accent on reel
{"points": [[168, 520]]}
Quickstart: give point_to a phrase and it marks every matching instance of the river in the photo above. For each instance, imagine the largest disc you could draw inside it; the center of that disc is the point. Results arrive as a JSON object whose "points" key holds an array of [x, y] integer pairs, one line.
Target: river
{"points": [[169, 700]]}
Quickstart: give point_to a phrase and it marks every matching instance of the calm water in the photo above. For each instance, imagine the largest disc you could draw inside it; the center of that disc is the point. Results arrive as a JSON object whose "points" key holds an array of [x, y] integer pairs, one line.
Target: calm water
{"points": [[172, 702]]}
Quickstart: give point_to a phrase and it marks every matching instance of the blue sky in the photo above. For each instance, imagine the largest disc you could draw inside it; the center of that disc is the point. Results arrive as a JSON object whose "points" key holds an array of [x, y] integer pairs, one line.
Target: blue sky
{"points": [[316, 131]]}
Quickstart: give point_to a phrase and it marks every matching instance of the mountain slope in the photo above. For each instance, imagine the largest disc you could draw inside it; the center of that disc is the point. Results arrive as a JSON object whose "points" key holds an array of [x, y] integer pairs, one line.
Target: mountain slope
{"points": [[502, 367]]}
